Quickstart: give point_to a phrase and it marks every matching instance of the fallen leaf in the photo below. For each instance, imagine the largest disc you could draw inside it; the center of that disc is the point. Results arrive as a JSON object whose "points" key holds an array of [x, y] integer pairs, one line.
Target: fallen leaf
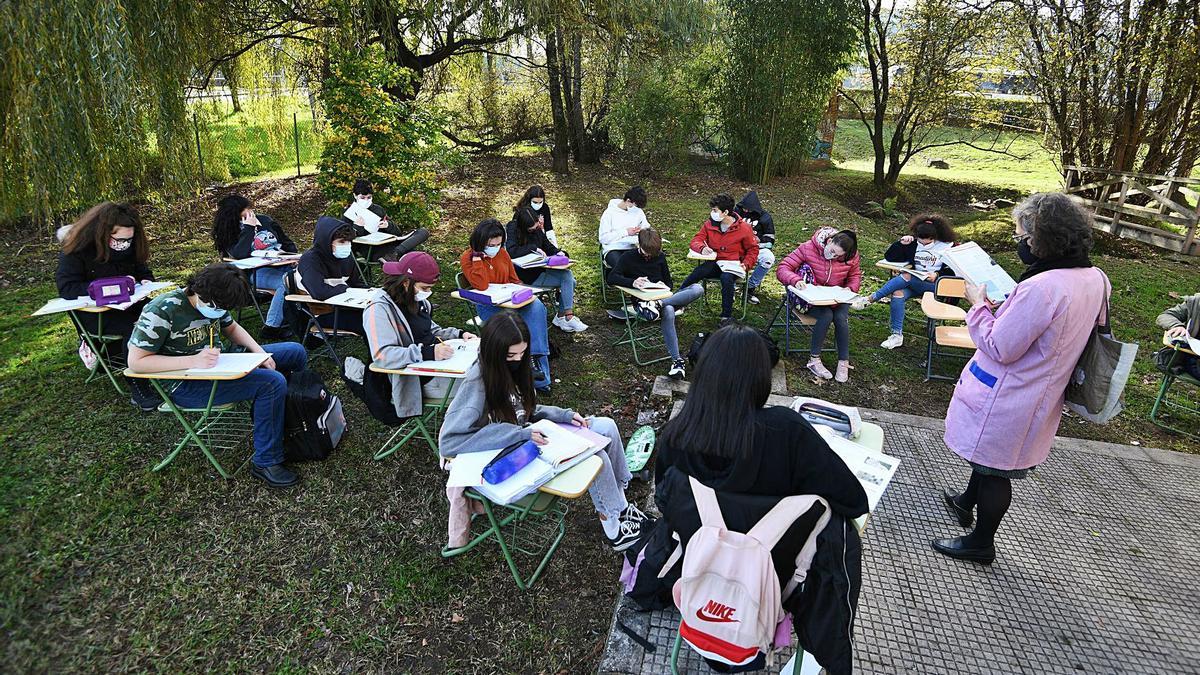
{"points": [[456, 618]]}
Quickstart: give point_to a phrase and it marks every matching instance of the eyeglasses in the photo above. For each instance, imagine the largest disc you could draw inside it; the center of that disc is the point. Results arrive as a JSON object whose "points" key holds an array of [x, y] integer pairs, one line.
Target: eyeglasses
{"points": [[1018, 238]]}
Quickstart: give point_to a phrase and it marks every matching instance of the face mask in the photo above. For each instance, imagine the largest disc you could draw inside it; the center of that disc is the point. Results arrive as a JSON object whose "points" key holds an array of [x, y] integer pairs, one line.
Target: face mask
{"points": [[513, 366], [119, 245], [365, 201], [536, 206], [829, 253], [716, 217], [1025, 253], [421, 296], [342, 251], [209, 311], [491, 251]]}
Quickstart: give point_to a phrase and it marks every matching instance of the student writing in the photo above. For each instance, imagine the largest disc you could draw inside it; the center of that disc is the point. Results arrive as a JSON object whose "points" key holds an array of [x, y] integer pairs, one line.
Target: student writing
{"points": [[364, 198], [830, 258], [524, 235]]}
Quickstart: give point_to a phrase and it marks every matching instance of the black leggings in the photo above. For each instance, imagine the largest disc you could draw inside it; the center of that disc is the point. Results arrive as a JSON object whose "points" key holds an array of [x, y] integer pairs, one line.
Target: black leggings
{"points": [[993, 495], [839, 316]]}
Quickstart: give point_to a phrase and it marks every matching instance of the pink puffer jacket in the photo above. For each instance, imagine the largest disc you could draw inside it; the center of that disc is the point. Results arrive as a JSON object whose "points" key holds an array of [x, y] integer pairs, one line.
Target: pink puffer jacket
{"points": [[825, 272]]}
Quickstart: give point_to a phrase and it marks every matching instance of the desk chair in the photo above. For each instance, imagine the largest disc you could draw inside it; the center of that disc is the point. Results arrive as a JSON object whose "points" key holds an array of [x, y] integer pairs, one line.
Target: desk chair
{"points": [[310, 310], [1187, 402], [106, 362], [472, 318], [792, 318], [639, 333], [427, 423], [744, 295], [937, 313]]}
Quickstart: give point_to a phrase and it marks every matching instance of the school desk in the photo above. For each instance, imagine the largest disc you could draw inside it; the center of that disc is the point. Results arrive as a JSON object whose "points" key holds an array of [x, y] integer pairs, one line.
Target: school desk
{"points": [[428, 421], [369, 242], [639, 333], [313, 308]]}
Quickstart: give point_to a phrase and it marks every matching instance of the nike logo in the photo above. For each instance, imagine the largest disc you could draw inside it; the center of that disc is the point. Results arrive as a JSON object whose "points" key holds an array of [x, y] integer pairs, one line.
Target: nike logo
{"points": [[716, 612]]}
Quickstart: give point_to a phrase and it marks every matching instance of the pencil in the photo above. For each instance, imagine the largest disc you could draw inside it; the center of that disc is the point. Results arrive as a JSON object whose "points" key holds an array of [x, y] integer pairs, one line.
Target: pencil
{"points": [[210, 336]]}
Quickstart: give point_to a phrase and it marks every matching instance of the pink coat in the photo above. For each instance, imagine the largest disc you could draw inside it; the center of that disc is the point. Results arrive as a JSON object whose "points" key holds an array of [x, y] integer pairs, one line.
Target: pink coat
{"points": [[1008, 400], [825, 272]]}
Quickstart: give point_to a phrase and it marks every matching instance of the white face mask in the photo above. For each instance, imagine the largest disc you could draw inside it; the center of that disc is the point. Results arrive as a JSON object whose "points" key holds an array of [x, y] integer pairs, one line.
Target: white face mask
{"points": [[423, 295], [536, 206], [829, 252], [342, 251], [716, 217], [365, 201]]}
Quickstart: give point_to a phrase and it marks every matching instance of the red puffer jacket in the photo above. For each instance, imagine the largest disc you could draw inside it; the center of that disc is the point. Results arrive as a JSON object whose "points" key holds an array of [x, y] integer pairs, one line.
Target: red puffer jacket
{"points": [[834, 272], [737, 243]]}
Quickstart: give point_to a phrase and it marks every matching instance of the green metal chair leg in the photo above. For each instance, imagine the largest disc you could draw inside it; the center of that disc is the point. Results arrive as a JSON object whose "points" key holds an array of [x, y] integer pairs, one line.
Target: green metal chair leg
{"points": [[191, 431], [675, 652], [99, 346]]}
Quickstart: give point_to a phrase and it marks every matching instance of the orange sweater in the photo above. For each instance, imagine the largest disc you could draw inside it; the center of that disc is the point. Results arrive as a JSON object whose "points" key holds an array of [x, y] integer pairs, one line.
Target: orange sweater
{"points": [[483, 270]]}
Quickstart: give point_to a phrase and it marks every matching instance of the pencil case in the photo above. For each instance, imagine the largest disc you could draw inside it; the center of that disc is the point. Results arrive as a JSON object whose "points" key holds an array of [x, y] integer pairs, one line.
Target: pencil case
{"points": [[522, 295], [111, 290], [510, 460], [557, 260]]}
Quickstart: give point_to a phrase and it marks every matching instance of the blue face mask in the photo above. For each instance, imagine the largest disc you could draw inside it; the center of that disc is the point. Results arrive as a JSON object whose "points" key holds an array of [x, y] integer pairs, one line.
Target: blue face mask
{"points": [[209, 311], [342, 251], [491, 251]]}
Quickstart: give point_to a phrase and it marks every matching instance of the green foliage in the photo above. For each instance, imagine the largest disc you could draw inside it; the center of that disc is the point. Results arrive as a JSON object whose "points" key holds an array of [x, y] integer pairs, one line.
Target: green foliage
{"points": [[783, 62], [662, 116], [373, 135], [877, 210]]}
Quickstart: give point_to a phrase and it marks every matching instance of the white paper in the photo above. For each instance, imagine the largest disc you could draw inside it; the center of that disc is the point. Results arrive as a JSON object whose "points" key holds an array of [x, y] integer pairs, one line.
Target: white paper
{"points": [[696, 255], [63, 305], [351, 297], [654, 286], [733, 267], [874, 470], [534, 259], [375, 238], [972, 263], [370, 221], [466, 353], [467, 468], [564, 446], [824, 295], [242, 362]]}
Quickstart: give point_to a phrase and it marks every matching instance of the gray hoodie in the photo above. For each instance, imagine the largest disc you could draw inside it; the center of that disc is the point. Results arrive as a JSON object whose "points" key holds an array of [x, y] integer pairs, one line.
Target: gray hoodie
{"points": [[389, 337], [462, 430]]}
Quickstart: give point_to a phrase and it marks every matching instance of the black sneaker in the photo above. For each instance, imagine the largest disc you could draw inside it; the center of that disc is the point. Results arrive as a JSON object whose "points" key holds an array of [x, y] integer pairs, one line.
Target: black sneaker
{"points": [[276, 334], [752, 295], [725, 321], [143, 396], [278, 476], [542, 392], [676, 371], [632, 512], [628, 532]]}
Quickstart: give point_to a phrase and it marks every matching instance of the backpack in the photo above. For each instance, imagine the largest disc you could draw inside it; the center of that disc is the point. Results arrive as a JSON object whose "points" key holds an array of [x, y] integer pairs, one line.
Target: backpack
{"points": [[313, 422], [372, 388], [728, 593]]}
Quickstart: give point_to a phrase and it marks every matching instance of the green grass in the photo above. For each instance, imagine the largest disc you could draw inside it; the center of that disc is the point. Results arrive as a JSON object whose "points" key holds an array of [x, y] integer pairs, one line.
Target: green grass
{"points": [[260, 141], [107, 566]]}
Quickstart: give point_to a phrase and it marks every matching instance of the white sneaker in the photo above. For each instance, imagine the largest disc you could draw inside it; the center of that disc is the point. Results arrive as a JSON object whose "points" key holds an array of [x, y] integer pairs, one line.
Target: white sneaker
{"points": [[819, 369], [861, 302], [894, 340], [563, 324], [577, 325]]}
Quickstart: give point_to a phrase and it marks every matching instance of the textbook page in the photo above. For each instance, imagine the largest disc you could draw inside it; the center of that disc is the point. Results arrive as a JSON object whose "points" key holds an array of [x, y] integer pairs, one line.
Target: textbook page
{"points": [[63, 305], [874, 470], [733, 267], [824, 295], [972, 263], [534, 259], [370, 221], [466, 353], [564, 446], [242, 362], [354, 297]]}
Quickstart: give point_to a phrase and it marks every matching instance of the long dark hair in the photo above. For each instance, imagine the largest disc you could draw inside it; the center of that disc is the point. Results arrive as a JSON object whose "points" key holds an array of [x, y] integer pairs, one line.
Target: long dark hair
{"points": [[525, 220], [487, 229], [732, 381], [533, 191], [931, 225], [405, 296], [96, 225], [503, 330], [227, 223]]}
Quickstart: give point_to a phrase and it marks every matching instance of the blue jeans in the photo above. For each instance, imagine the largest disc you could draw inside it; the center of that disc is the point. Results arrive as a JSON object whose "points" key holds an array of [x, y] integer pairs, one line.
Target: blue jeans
{"points": [[683, 297], [912, 287], [710, 270], [266, 388], [766, 258], [271, 279], [534, 315], [564, 281]]}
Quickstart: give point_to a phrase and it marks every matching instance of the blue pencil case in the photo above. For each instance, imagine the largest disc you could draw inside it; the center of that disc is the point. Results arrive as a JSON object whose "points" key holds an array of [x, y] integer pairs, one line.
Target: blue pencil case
{"points": [[510, 460]]}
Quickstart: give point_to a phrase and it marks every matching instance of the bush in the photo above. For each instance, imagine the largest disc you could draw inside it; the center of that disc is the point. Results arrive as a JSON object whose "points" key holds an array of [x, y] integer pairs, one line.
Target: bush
{"points": [[656, 124], [394, 144]]}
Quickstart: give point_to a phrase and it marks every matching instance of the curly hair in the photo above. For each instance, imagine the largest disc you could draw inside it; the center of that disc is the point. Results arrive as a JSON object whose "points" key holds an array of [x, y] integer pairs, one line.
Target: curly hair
{"points": [[925, 223], [221, 284], [1057, 224]]}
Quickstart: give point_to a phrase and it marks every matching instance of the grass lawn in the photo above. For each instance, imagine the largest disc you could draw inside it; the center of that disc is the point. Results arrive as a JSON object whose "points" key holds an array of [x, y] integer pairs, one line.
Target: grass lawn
{"points": [[260, 141], [107, 566]]}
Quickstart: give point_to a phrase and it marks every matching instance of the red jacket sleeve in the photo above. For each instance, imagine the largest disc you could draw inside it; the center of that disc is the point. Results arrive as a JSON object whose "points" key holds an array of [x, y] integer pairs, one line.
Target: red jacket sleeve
{"points": [[699, 241], [854, 279]]}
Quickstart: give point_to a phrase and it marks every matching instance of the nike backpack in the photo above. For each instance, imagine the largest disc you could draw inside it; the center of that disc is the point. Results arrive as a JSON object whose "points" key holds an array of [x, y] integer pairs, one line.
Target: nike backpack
{"points": [[728, 594], [313, 422]]}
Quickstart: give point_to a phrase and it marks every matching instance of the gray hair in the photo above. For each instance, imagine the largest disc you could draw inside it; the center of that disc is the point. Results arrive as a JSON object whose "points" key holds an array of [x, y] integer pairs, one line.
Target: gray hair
{"points": [[1057, 224]]}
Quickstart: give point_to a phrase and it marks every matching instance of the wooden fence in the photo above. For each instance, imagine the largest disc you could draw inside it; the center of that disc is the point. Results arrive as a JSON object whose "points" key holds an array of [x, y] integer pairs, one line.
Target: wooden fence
{"points": [[1136, 205]]}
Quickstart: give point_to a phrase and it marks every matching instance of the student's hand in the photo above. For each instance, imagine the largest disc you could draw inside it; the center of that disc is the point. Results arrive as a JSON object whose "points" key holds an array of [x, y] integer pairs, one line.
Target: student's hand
{"points": [[468, 336], [1177, 332], [358, 220], [706, 250], [906, 239], [207, 358], [799, 285], [442, 351], [930, 276], [579, 421], [269, 364], [640, 282], [631, 231], [538, 437]]}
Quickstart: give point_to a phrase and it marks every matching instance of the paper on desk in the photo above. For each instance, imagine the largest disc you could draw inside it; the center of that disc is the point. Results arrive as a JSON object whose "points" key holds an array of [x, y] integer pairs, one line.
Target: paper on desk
{"points": [[354, 297], [466, 470], [654, 286], [243, 362], [370, 221], [140, 292], [375, 238], [466, 353], [528, 260], [874, 470], [1190, 342], [824, 295], [63, 305], [565, 447]]}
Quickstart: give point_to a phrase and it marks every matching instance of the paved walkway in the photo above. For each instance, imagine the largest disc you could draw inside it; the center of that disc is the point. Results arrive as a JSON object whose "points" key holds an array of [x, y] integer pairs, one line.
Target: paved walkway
{"points": [[1098, 569]]}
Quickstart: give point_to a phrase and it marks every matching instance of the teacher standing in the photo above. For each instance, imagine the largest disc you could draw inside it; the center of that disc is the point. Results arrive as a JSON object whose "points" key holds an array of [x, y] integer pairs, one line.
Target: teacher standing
{"points": [[1008, 401]]}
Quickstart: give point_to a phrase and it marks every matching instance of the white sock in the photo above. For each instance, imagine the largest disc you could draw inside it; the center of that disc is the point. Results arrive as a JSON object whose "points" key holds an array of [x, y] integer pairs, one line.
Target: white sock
{"points": [[611, 527]]}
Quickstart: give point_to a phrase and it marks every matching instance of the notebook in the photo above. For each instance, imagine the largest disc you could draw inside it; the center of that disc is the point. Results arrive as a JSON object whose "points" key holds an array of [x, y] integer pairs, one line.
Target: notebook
{"points": [[824, 295], [370, 221], [467, 471], [466, 353], [375, 238], [655, 286], [242, 362], [567, 446], [972, 263], [874, 470], [733, 267], [496, 294], [895, 266], [528, 260]]}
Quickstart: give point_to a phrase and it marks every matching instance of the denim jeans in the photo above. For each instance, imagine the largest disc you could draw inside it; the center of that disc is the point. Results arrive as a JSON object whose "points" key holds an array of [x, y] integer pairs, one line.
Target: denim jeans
{"points": [[710, 270], [682, 298], [608, 490], [766, 258], [839, 316], [564, 281], [910, 287], [266, 388], [271, 279], [534, 315]]}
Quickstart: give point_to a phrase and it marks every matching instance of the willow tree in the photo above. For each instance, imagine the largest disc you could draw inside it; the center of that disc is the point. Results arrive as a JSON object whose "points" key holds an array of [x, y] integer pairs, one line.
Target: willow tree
{"points": [[92, 100], [784, 59]]}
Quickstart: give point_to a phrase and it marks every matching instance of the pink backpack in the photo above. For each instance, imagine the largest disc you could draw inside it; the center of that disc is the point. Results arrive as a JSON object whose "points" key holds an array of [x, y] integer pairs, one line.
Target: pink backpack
{"points": [[729, 594]]}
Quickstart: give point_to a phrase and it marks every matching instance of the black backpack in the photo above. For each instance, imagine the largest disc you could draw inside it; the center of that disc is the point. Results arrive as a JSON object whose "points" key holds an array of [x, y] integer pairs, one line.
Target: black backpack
{"points": [[313, 422], [375, 391]]}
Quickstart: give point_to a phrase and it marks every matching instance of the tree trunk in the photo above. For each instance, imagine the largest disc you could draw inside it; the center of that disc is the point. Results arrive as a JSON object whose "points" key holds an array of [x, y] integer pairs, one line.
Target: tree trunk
{"points": [[229, 70], [584, 152], [560, 153]]}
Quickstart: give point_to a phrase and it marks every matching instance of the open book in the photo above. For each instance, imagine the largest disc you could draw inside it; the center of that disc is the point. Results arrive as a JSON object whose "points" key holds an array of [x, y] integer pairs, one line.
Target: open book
{"points": [[895, 266], [1189, 342], [375, 238], [874, 470], [528, 260], [352, 297], [568, 446], [733, 267], [972, 263], [466, 353], [274, 254], [497, 294], [370, 221], [823, 295]]}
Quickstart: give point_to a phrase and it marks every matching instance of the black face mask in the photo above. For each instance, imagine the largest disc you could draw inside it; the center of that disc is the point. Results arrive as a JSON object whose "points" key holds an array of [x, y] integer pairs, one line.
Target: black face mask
{"points": [[1025, 253], [513, 366]]}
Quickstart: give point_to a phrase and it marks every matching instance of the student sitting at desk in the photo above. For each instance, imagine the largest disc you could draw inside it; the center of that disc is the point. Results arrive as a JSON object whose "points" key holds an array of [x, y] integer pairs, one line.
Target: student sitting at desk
{"points": [[106, 241], [524, 235], [620, 223], [496, 403], [182, 329], [327, 269], [364, 197], [830, 258], [238, 232], [732, 239], [485, 263], [401, 331], [1183, 321], [752, 211], [930, 236], [648, 264], [535, 199]]}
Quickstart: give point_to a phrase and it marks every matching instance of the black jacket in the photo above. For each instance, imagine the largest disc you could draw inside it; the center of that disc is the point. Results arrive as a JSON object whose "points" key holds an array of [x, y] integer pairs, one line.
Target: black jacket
{"points": [[631, 265], [907, 254], [318, 263], [77, 270], [251, 239], [750, 208], [387, 226], [534, 240]]}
